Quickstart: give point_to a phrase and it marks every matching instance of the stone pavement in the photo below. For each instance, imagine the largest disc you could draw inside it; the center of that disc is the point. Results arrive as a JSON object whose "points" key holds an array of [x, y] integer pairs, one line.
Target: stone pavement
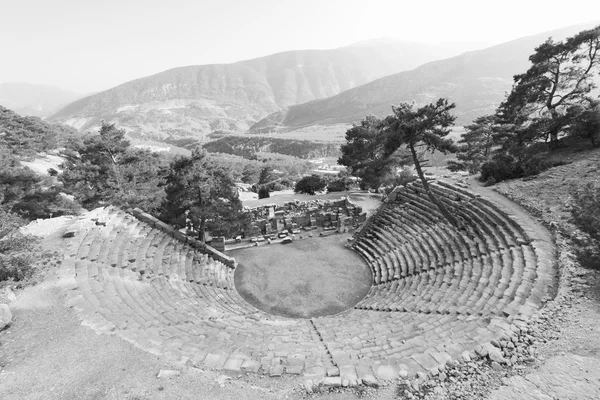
{"points": [[437, 293]]}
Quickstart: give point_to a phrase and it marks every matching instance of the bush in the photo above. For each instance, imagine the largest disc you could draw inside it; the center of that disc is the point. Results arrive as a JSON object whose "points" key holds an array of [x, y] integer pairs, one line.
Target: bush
{"points": [[586, 215], [500, 168], [586, 210], [521, 162], [337, 185], [45, 204], [533, 165], [263, 192], [275, 186], [587, 125], [455, 166], [18, 252], [310, 184], [287, 183]]}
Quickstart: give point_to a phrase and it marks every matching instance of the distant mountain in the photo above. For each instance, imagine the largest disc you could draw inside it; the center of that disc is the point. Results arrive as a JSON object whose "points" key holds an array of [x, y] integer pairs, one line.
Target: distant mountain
{"points": [[35, 100], [195, 100], [476, 81]]}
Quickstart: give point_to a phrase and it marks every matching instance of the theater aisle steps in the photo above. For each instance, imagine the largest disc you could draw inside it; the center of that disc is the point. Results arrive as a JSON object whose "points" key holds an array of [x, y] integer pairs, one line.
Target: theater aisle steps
{"points": [[437, 291]]}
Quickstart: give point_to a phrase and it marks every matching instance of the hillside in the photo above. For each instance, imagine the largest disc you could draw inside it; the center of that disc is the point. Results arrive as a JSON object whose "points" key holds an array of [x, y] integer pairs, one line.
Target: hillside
{"points": [[35, 100], [27, 135], [476, 81], [196, 100]]}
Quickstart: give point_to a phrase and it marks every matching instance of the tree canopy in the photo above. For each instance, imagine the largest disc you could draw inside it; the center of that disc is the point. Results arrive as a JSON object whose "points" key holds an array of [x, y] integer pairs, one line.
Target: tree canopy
{"points": [[202, 191], [103, 168], [26, 135], [363, 154], [310, 184], [475, 145], [560, 76], [373, 147]]}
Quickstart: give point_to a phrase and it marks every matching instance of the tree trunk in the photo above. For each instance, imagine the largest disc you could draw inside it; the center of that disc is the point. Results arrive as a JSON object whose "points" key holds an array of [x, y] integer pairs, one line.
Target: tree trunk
{"points": [[433, 199], [201, 235], [554, 129]]}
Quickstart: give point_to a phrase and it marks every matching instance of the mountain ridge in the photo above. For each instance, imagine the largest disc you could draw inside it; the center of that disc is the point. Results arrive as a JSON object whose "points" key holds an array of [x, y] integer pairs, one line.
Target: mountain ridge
{"points": [[196, 100], [33, 99], [475, 80]]}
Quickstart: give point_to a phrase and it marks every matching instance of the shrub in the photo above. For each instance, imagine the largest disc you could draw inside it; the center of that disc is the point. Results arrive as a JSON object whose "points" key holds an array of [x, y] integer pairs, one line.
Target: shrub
{"points": [[586, 215], [586, 210], [456, 166], [337, 185], [287, 183], [263, 192], [587, 125], [18, 252], [45, 204], [310, 184], [500, 168], [521, 162], [275, 186]]}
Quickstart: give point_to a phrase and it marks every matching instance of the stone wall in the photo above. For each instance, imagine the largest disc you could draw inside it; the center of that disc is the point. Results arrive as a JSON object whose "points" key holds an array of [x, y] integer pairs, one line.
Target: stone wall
{"points": [[272, 218], [169, 230]]}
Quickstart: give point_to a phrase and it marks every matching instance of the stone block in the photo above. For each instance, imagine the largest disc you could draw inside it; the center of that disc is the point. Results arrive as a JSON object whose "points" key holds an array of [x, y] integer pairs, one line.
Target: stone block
{"points": [[233, 363], [332, 382], [276, 370], [294, 369], [215, 361], [348, 372], [314, 372], [426, 361], [250, 366], [167, 373], [296, 359]]}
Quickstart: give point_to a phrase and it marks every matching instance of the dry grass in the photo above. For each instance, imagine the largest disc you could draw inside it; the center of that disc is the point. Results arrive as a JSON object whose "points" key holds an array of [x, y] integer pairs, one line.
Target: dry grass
{"points": [[307, 278]]}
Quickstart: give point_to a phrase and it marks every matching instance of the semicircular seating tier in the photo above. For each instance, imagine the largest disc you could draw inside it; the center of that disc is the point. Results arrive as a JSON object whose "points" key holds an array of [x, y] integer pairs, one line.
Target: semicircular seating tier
{"points": [[437, 291]]}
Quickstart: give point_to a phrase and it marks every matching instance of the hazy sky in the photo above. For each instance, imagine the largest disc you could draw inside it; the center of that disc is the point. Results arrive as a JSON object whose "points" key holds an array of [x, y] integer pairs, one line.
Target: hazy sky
{"points": [[87, 46]]}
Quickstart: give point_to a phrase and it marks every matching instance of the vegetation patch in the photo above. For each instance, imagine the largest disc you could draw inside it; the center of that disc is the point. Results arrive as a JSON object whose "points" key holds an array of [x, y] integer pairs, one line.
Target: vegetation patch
{"points": [[247, 147]]}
